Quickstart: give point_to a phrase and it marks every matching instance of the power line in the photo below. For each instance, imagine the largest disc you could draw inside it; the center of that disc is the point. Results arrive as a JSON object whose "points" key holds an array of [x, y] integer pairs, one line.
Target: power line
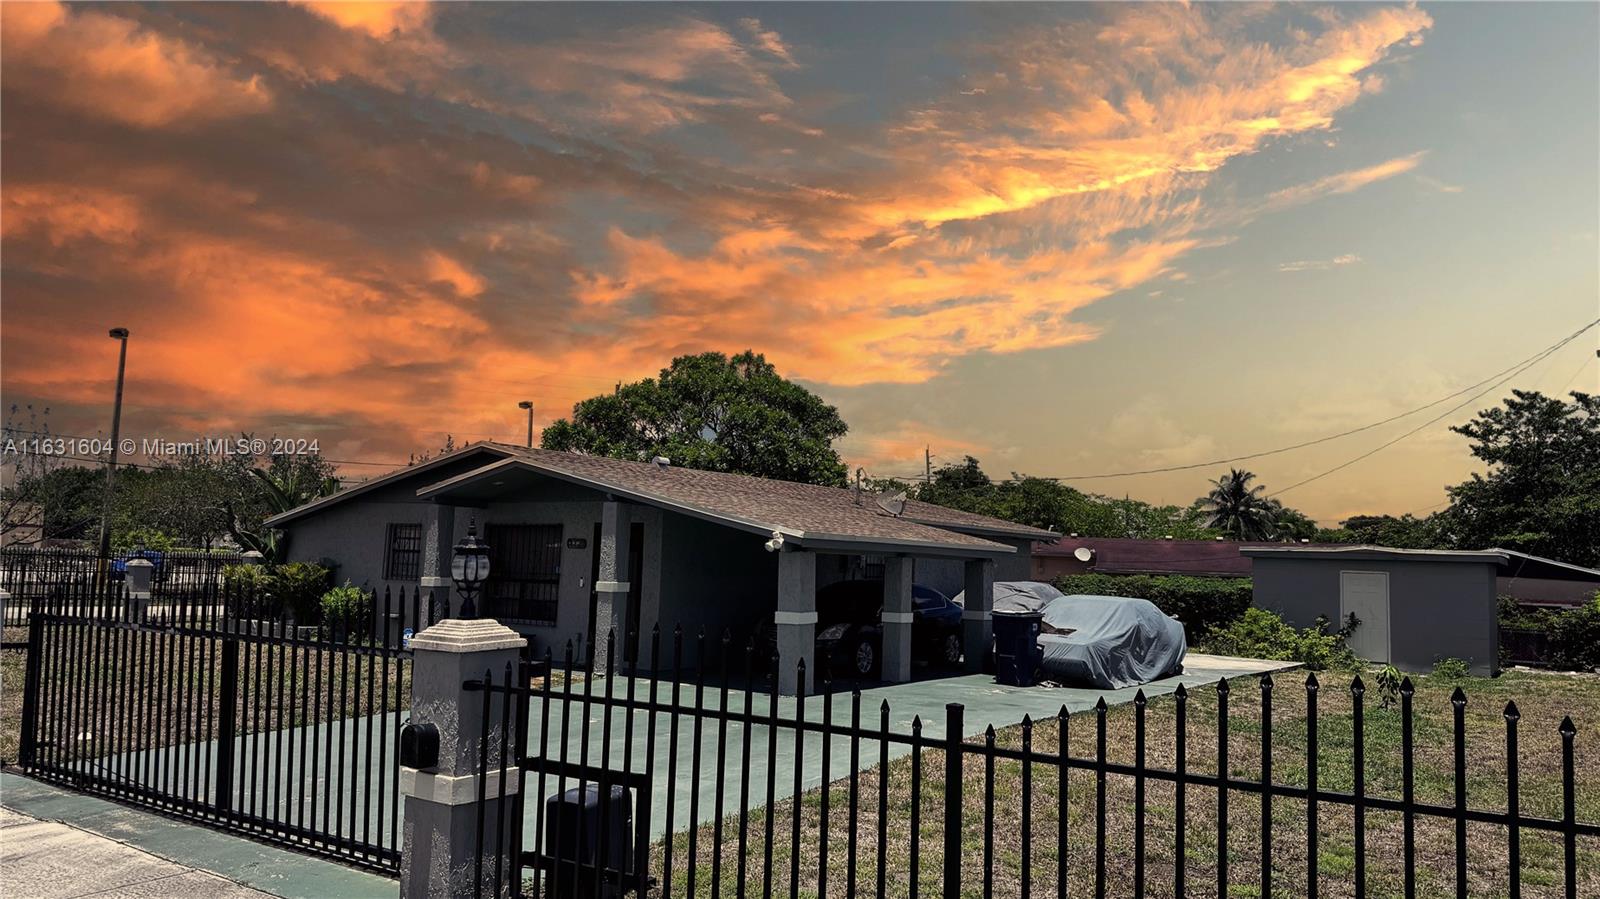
{"points": [[1513, 370], [1436, 419]]}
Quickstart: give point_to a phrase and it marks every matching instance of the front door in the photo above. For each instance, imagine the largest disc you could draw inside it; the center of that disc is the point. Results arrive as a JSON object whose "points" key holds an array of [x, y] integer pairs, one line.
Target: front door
{"points": [[630, 641], [1366, 594]]}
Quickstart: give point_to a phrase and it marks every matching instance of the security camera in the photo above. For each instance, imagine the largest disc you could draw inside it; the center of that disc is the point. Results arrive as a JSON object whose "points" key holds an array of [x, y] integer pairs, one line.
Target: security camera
{"points": [[776, 543]]}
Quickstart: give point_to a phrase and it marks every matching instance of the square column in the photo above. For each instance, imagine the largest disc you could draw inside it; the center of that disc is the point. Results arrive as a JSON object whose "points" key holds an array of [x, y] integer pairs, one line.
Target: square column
{"points": [[438, 544], [796, 619], [611, 586], [897, 617], [441, 855], [978, 617]]}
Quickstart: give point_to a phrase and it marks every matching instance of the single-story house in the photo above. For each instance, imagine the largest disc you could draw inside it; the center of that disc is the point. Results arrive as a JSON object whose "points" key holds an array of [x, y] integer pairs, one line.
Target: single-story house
{"points": [[1415, 606], [584, 545]]}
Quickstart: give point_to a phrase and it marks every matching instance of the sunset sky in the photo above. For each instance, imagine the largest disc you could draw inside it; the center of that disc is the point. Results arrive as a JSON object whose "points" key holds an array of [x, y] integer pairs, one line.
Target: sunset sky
{"points": [[1066, 239]]}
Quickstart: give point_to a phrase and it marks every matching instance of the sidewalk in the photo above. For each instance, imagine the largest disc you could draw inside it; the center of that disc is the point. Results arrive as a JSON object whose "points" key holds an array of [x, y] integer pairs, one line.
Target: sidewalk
{"points": [[46, 860], [57, 843]]}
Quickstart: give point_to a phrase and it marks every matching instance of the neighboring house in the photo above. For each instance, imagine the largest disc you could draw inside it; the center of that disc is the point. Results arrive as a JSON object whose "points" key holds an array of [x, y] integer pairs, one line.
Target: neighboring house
{"points": [[1124, 555], [1532, 580], [583, 545], [1415, 606]]}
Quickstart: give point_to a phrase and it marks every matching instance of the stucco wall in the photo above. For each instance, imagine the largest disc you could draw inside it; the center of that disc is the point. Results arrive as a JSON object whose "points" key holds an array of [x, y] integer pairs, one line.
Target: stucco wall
{"points": [[712, 577], [1436, 609]]}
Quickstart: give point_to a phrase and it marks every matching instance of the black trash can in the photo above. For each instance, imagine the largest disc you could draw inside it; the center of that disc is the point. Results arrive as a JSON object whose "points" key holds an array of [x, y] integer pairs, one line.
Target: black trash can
{"points": [[1017, 655], [573, 838]]}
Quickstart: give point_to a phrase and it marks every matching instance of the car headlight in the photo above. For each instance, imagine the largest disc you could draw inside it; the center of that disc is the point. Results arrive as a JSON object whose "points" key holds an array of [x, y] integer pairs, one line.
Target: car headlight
{"points": [[833, 632]]}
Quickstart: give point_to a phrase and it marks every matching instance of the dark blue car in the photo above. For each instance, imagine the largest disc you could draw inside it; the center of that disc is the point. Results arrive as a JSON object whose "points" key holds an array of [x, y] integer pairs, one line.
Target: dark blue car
{"points": [[850, 631]]}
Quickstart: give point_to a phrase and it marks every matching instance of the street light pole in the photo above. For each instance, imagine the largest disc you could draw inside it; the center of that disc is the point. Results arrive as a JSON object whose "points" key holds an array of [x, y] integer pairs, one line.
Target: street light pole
{"points": [[528, 404], [116, 433]]}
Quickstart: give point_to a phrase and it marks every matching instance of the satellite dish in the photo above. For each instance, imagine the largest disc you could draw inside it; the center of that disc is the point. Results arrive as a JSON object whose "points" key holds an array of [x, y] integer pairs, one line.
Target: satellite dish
{"points": [[1083, 554], [893, 503]]}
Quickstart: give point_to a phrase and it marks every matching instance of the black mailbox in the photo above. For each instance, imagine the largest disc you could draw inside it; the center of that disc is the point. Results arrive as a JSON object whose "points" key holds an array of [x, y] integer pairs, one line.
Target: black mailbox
{"points": [[419, 745]]}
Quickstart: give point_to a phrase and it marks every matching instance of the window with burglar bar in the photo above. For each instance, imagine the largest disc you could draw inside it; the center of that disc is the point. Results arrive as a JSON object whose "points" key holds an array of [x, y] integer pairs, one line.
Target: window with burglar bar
{"points": [[402, 558]]}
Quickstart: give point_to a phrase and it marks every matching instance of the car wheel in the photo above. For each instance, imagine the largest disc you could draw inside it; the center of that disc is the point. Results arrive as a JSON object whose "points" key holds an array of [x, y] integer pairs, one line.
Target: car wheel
{"points": [[864, 658], [950, 650]]}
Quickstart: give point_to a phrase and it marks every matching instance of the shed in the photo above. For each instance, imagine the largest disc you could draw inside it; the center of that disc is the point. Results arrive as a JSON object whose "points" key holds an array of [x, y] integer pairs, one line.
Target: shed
{"points": [[1415, 606]]}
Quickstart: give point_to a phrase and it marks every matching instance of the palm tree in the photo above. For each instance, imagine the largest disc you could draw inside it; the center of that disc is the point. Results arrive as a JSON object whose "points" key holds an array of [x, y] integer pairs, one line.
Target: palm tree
{"points": [[280, 491], [1238, 509]]}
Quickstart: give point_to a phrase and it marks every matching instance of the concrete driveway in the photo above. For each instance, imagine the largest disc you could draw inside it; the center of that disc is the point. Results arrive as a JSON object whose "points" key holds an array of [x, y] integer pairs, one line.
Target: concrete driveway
{"points": [[986, 704]]}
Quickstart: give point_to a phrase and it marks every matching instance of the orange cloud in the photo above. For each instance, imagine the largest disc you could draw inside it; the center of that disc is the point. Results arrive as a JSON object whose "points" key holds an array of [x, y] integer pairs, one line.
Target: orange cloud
{"points": [[379, 20], [110, 67]]}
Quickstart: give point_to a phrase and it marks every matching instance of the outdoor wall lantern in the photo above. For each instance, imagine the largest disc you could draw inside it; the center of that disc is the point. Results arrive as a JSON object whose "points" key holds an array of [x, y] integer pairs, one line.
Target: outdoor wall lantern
{"points": [[469, 568]]}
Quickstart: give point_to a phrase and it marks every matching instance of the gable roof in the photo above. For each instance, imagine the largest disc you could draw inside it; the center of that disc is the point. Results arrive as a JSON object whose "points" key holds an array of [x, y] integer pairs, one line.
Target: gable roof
{"points": [[811, 515], [488, 451]]}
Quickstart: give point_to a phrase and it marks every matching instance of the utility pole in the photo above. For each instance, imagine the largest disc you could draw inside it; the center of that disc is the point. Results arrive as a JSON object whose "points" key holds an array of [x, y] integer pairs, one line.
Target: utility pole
{"points": [[116, 433], [927, 464], [528, 404]]}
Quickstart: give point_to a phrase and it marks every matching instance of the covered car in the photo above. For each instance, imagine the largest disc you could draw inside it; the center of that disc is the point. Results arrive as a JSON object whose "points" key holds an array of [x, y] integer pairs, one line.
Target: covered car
{"points": [[1107, 642]]}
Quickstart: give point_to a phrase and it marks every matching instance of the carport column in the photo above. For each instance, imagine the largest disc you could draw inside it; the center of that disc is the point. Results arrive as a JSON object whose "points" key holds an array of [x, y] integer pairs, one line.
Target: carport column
{"points": [[611, 586], [438, 543], [897, 572], [440, 848], [978, 613], [796, 618]]}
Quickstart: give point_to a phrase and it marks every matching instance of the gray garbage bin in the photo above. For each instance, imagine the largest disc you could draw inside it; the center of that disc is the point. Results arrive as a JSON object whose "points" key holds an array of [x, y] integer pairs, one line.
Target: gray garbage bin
{"points": [[1017, 655]]}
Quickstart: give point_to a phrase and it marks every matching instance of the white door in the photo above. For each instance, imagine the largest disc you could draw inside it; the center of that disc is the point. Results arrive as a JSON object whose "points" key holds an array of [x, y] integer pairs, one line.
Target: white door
{"points": [[1366, 594]]}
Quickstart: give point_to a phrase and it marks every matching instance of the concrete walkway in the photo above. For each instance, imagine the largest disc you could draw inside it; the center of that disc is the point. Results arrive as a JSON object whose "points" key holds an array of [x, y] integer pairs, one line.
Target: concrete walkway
{"points": [[46, 860], [57, 843], [986, 704]]}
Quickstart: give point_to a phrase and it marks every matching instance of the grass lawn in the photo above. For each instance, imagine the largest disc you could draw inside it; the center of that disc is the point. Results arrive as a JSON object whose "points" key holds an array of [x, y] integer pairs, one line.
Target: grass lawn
{"points": [[1542, 699]]}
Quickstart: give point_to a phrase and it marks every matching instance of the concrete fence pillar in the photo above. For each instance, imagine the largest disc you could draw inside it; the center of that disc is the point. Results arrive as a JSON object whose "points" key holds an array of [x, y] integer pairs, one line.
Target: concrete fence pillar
{"points": [[438, 544], [139, 572], [978, 616], [897, 583], [440, 852], [611, 586], [796, 618]]}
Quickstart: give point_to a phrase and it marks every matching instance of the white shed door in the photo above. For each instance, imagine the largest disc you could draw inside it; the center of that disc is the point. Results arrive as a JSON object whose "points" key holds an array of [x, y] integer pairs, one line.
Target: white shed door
{"points": [[1366, 594]]}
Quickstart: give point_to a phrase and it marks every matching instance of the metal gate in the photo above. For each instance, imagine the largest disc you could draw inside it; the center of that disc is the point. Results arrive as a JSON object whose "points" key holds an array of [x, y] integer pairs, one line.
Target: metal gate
{"points": [[285, 734]]}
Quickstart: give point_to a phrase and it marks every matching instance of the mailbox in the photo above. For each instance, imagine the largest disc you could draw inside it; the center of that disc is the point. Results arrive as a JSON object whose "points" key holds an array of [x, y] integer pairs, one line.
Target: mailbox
{"points": [[419, 745]]}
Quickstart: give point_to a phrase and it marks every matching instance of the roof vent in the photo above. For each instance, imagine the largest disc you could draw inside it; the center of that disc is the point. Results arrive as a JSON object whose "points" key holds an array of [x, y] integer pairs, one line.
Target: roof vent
{"points": [[661, 462], [1167, 537]]}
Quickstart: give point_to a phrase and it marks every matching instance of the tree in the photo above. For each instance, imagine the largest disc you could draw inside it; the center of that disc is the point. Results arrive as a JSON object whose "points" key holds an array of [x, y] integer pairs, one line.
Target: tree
{"points": [[285, 482], [715, 413], [1541, 492], [1239, 510], [1405, 532]]}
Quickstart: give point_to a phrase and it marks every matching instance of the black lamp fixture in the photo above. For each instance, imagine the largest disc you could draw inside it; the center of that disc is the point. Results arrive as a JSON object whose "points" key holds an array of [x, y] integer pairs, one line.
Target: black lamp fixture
{"points": [[469, 568]]}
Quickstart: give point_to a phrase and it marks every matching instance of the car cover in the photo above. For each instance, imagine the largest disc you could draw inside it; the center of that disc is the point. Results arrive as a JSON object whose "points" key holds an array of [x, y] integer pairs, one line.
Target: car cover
{"points": [[1113, 641]]}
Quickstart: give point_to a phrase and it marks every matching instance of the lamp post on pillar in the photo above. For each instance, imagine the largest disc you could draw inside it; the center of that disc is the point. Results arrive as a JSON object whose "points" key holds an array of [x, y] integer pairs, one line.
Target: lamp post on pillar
{"points": [[469, 568]]}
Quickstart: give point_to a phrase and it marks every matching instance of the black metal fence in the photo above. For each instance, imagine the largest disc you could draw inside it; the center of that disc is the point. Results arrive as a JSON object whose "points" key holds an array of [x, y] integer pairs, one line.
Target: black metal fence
{"points": [[69, 578], [943, 824], [285, 733]]}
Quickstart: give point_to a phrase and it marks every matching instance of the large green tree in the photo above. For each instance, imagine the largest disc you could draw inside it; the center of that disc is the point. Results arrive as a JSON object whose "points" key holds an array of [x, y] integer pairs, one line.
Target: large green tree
{"points": [[1541, 492], [712, 412]]}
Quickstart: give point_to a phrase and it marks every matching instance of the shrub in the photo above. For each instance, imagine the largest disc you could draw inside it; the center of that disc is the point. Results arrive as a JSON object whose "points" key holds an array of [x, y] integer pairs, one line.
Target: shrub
{"points": [[1388, 683], [1575, 637], [123, 542], [297, 588], [1451, 669], [1201, 603], [249, 588], [345, 606], [1260, 634]]}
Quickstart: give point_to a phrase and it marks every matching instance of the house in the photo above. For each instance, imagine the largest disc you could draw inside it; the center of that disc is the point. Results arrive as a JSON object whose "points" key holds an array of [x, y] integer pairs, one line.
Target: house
{"points": [[586, 545], [1126, 555]]}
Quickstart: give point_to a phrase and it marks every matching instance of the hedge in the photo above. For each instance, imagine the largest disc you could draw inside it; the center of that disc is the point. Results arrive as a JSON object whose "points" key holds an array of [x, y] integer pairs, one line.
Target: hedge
{"points": [[1201, 603]]}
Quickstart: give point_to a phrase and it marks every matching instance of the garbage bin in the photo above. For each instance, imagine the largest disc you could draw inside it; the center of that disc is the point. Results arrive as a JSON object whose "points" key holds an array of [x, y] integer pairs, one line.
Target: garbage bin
{"points": [[573, 838], [1017, 655]]}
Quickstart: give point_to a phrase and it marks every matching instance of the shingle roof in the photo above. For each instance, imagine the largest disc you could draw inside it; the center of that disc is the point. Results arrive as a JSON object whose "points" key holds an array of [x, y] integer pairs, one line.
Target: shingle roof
{"points": [[807, 512]]}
